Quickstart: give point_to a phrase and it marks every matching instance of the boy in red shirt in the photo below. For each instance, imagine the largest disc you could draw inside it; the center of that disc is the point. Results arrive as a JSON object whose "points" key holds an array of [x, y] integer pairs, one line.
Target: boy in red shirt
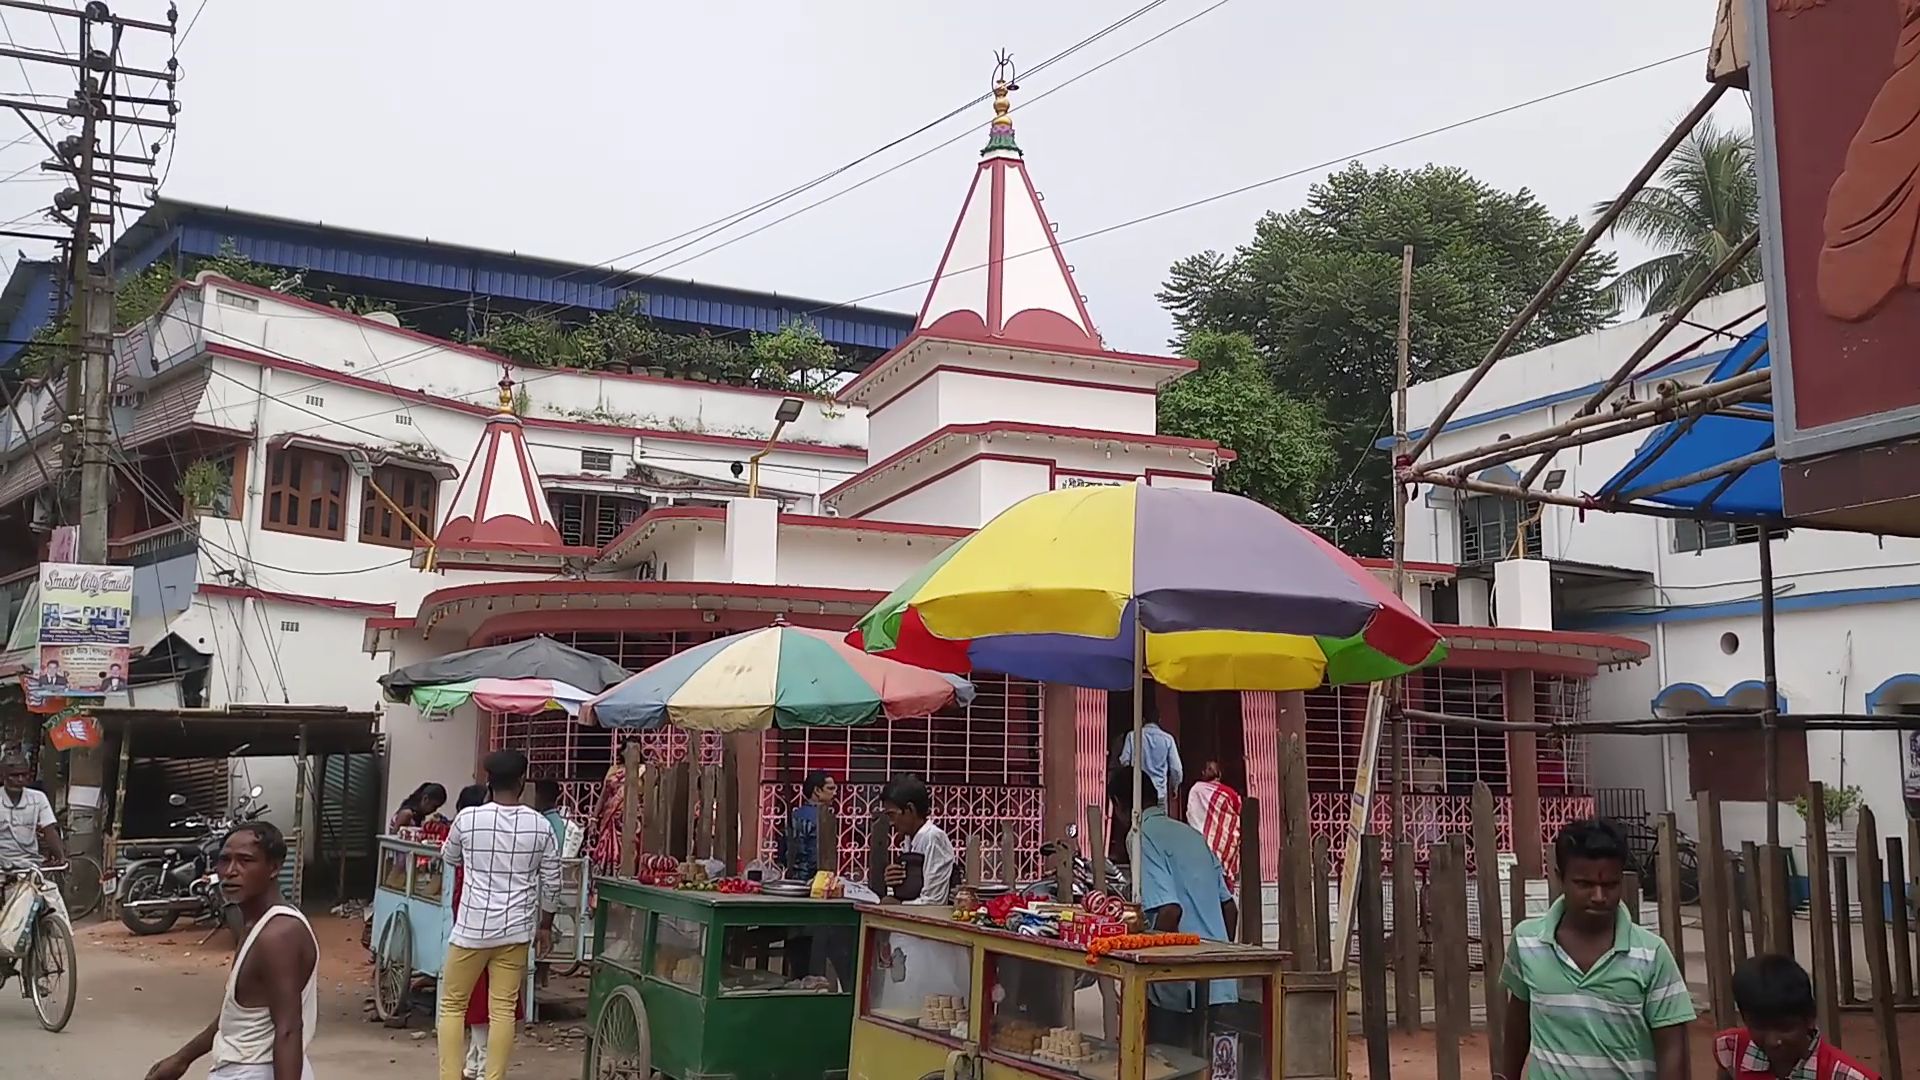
{"points": [[1781, 1040]]}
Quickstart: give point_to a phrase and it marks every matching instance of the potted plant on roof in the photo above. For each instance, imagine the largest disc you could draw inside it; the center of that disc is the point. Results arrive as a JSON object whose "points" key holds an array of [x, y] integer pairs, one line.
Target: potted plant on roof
{"points": [[201, 485], [1842, 805]]}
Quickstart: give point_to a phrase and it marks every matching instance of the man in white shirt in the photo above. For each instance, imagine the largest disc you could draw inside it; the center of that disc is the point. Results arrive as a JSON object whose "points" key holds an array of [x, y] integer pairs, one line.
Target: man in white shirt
{"points": [[907, 805], [510, 890], [29, 833]]}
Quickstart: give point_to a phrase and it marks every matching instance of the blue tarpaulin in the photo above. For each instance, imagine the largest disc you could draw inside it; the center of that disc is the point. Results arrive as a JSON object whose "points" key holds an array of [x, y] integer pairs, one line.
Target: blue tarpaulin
{"points": [[1676, 449]]}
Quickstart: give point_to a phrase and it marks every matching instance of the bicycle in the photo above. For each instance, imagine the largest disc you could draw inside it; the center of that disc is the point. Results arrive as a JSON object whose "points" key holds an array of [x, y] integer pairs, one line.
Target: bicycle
{"points": [[49, 968]]}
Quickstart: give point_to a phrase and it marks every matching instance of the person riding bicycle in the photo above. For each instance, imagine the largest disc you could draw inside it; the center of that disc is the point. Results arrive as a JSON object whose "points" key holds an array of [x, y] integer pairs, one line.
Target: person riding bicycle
{"points": [[29, 833]]}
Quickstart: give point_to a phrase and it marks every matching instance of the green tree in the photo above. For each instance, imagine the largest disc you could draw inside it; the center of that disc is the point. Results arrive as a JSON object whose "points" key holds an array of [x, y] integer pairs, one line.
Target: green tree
{"points": [[1281, 441], [1705, 202], [1317, 291]]}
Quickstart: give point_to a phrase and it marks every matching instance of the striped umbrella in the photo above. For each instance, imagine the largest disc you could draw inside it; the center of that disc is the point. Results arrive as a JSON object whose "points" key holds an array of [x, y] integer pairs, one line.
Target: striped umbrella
{"points": [[1231, 595], [500, 695], [785, 675]]}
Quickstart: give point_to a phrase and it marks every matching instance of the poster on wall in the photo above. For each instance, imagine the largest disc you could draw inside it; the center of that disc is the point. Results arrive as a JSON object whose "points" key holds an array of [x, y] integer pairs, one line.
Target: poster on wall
{"points": [[86, 631], [1065, 479], [1910, 776]]}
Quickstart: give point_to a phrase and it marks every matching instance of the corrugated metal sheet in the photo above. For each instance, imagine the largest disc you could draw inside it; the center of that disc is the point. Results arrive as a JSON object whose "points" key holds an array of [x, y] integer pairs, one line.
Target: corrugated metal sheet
{"points": [[28, 473], [402, 263], [167, 409], [1260, 731], [1090, 758]]}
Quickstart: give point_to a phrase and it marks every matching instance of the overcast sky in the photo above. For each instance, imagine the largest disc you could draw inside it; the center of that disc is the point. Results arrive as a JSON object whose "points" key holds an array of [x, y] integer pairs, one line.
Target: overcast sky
{"points": [[587, 130]]}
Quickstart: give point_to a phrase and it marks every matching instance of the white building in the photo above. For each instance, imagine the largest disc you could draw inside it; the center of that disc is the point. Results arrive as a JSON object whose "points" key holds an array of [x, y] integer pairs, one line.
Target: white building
{"points": [[1845, 602]]}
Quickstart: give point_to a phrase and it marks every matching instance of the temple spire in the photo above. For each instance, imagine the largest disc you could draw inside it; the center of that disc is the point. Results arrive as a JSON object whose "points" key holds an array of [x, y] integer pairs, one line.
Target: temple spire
{"points": [[1000, 131]]}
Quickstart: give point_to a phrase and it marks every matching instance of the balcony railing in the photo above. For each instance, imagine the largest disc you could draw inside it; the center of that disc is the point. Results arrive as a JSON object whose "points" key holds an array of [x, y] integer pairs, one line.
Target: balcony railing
{"points": [[155, 545]]}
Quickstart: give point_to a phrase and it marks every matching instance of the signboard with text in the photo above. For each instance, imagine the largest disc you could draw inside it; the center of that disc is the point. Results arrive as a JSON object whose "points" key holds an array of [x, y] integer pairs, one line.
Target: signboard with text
{"points": [[86, 631]]}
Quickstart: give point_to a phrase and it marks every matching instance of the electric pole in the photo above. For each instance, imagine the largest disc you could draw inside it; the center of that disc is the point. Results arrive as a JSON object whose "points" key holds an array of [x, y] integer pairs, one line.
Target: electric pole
{"points": [[107, 116]]}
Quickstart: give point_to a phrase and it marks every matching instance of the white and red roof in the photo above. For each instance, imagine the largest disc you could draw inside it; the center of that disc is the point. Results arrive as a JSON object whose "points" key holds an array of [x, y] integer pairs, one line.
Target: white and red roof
{"points": [[499, 513], [1002, 278]]}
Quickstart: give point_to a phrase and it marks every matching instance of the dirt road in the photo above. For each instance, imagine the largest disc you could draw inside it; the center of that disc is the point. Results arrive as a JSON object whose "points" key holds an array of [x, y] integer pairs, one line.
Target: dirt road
{"points": [[140, 998]]}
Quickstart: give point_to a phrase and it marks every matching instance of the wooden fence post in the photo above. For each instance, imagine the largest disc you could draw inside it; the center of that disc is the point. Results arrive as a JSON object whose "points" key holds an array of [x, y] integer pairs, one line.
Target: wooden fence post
{"points": [[878, 853], [1902, 941], [1820, 911], [728, 815], [630, 811], [827, 855], [970, 862], [1516, 899], [1780, 901], [1736, 910], [1447, 886], [1755, 877], [1253, 925], [1713, 911], [1843, 933], [1486, 878], [1373, 959], [1009, 862], [1668, 833], [1873, 921], [1630, 893], [1323, 959], [1097, 846], [1406, 939], [1296, 886]]}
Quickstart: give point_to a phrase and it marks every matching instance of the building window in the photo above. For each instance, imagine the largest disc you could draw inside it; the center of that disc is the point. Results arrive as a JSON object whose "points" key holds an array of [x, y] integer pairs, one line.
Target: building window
{"points": [[415, 492], [1698, 536], [306, 492], [1490, 525], [590, 519], [596, 461]]}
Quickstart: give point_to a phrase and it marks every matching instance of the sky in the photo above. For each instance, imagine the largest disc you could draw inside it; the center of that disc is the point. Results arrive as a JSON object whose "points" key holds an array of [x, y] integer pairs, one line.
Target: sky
{"points": [[586, 131]]}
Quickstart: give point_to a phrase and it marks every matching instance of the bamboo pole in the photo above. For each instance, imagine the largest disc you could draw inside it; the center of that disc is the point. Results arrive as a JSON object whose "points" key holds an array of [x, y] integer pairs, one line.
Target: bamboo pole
{"points": [[1705, 398], [1403, 351], [1770, 678], [1253, 926], [1757, 896], [1667, 834], [1322, 921], [1565, 270], [1843, 933], [1447, 883], [1902, 931], [1486, 879], [1736, 909], [1706, 287], [1296, 884]]}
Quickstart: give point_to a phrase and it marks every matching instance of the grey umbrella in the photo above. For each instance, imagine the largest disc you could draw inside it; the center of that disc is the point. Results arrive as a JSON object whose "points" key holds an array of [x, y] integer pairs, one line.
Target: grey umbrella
{"points": [[535, 658]]}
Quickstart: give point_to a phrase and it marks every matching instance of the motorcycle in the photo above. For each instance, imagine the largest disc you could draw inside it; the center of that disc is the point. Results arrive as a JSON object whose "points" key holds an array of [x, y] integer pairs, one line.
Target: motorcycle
{"points": [[1050, 854], [167, 881]]}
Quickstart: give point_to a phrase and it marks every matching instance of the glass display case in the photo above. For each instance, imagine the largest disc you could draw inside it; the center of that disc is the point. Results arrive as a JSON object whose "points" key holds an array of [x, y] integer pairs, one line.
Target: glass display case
{"points": [[1053, 1017], [918, 982]]}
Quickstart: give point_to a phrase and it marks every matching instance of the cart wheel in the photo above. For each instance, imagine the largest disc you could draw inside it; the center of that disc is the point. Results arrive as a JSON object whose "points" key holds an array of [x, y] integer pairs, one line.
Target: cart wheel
{"points": [[622, 1043], [393, 969]]}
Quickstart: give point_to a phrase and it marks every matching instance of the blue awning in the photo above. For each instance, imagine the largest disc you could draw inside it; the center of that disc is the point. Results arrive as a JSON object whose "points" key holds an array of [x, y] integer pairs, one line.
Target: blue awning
{"points": [[1675, 450]]}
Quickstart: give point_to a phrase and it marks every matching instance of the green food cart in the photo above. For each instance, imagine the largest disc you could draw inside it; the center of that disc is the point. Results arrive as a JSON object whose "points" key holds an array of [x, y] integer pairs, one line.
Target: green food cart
{"points": [[709, 985]]}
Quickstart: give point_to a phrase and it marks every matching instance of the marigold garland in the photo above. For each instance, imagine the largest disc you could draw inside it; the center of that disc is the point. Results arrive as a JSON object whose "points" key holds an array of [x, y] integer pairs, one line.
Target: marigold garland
{"points": [[1099, 947]]}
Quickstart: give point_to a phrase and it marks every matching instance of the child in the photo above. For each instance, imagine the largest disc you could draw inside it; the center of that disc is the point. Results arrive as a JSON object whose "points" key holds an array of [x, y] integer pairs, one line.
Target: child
{"points": [[1780, 1041]]}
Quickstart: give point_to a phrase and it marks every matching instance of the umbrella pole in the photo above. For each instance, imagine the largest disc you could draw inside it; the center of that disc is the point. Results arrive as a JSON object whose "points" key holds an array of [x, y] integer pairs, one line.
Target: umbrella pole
{"points": [[1139, 747]]}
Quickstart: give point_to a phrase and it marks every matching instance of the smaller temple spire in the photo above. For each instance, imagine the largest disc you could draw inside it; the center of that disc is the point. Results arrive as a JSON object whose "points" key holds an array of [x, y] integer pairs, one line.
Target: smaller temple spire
{"points": [[506, 387], [1000, 131]]}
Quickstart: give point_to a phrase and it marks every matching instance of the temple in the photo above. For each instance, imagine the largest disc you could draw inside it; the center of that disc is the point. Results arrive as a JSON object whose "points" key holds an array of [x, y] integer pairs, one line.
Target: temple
{"points": [[1002, 389]]}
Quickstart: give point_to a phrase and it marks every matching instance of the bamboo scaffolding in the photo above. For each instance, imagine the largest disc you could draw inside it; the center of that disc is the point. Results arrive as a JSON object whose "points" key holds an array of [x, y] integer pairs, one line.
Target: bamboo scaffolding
{"points": [[1674, 318], [1539, 302]]}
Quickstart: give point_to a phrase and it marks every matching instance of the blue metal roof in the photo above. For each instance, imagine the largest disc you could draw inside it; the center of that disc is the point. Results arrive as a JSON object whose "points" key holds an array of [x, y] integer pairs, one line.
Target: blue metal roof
{"points": [[200, 230], [1673, 451]]}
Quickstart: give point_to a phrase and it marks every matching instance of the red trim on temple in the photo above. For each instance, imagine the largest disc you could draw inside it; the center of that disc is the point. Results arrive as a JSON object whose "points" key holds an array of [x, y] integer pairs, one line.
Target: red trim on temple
{"points": [[248, 592]]}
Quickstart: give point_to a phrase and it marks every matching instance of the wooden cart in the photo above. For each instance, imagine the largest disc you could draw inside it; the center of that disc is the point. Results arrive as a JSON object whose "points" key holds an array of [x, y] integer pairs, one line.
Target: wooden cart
{"points": [[413, 917], [704, 985], [944, 999]]}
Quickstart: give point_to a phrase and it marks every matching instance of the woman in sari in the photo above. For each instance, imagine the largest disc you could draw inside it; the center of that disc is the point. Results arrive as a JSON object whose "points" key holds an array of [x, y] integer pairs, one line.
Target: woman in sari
{"points": [[1214, 809], [611, 808]]}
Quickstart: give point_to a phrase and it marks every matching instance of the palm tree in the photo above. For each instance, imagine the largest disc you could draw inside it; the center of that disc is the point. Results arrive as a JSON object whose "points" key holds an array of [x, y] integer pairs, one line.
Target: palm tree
{"points": [[1703, 204]]}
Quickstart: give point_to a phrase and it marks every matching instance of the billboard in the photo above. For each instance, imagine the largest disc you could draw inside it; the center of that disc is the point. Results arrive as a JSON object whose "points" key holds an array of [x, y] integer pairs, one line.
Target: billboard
{"points": [[86, 631], [1836, 97]]}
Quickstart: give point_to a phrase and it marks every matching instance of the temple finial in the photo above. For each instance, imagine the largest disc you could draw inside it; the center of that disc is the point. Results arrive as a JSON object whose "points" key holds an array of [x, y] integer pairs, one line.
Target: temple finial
{"points": [[1000, 132], [506, 388]]}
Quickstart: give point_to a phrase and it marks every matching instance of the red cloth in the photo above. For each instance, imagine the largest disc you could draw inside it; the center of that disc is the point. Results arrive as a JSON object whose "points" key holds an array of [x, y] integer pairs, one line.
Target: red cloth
{"points": [[477, 1004], [1735, 1053], [1214, 809]]}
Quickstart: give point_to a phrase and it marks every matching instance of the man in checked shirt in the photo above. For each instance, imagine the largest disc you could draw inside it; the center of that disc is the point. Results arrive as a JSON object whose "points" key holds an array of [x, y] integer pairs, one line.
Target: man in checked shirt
{"points": [[511, 889]]}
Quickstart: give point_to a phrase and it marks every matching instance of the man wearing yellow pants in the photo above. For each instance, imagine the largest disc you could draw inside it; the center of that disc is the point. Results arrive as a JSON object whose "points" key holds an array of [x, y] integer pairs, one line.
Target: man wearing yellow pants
{"points": [[511, 888]]}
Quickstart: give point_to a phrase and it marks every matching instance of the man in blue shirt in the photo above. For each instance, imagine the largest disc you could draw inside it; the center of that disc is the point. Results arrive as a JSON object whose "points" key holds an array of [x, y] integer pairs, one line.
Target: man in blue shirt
{"points": [[1160, 758], [1183, 889]]}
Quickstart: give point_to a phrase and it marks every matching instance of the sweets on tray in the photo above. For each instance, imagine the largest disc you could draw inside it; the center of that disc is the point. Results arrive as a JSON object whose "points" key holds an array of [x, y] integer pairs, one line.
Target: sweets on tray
{"points": [[1064, 1046], [1017, 1037], [941, 1012]]}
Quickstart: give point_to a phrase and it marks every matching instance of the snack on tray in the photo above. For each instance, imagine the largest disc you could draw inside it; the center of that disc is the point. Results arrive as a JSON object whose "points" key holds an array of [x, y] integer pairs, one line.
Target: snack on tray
{"points": [[1065, 1046], [1017, 1037]]}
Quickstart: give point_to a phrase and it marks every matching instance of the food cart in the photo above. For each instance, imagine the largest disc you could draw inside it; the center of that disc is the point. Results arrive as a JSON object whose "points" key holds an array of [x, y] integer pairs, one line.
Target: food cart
{"points": [[709, 984], [938, 997], [413, 917]]}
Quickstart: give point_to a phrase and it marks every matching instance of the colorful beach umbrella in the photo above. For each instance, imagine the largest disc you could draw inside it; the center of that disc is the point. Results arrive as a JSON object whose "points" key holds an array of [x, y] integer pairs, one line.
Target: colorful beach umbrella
{"points": [[785, 675], [1233, 596], [501, 695]]}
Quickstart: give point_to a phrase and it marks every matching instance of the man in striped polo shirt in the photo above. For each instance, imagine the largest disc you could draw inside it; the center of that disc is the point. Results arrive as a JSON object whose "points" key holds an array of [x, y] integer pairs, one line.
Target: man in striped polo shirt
{"points": [[1591, 993]]}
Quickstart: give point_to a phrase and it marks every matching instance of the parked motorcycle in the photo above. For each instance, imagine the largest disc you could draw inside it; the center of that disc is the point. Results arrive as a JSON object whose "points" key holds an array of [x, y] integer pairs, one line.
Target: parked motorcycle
{"points": [[1050, 854], [167, 881]]}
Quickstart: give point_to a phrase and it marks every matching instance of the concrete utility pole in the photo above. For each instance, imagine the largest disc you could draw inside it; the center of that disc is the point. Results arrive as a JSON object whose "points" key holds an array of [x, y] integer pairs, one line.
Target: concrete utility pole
{"points": [[100, 172]]}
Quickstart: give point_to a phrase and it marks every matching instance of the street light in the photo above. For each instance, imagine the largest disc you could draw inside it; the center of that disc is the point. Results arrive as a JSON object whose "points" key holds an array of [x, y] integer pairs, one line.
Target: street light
{"points": [[787, 413]]}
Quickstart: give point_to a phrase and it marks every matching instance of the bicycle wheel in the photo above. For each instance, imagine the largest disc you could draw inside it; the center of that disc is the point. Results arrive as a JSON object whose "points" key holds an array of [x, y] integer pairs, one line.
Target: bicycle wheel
{"points": [[52, 972], [81, 887], [622, 1046]]}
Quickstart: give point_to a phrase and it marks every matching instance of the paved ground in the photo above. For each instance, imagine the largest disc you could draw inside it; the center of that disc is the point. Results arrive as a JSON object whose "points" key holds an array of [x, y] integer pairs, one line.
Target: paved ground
{"points": [[140, 998]]}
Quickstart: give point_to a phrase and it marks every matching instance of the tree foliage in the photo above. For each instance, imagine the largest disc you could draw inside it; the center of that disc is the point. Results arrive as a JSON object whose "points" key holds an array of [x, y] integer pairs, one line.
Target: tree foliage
{"points": [[1316, 291], [1705, 202], [1281, 440], [795, 358]]}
